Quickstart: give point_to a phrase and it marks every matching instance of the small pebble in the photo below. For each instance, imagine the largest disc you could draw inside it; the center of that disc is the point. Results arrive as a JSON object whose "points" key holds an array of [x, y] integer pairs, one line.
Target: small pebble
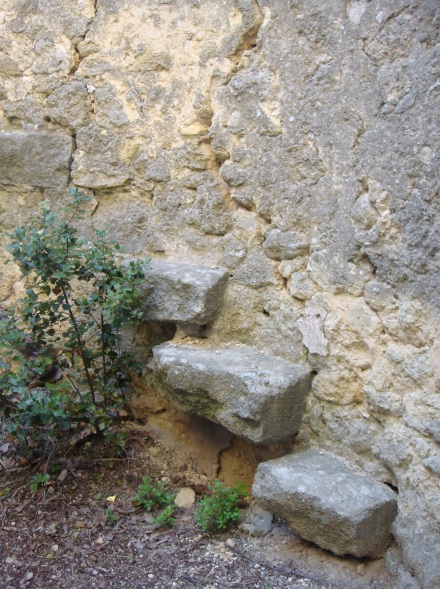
{"points": [[361, 569], [62, 476]]}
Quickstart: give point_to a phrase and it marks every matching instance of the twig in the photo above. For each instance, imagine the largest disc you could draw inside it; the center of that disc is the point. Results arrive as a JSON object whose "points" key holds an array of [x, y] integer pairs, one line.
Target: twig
{"points": [[17, 491], [54, 447], [105, 460]]}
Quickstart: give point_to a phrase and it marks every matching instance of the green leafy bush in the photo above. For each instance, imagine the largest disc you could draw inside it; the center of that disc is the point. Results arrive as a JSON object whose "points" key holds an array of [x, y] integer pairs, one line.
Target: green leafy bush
{"points": [[166, 518], [62, 362], [221, 510], [111, 519], [152, 495], [38, 480]]}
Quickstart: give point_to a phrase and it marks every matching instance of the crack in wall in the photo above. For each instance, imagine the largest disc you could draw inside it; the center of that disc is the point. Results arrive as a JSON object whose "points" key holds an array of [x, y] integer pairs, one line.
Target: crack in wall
{"points": [[77, 53], [247, 42]]}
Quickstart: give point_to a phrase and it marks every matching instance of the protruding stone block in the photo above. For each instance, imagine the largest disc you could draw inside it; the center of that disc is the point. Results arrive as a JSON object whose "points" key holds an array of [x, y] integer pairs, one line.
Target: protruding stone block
{"points": [[285, 245], [35, 159], [255, 396], [183, 293], [328, 503]]}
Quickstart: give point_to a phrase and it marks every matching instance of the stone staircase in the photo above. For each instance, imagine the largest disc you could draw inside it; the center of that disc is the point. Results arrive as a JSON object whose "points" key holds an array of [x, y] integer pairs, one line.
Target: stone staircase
{"points": [[260, 398], [253, 395]]}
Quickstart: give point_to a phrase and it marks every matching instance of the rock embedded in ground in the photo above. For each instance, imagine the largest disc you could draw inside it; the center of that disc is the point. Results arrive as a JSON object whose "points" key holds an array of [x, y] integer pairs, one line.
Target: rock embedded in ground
{"points": [[185, 498], [257, 521], [255, 396], [184, 293], [328, 503]]}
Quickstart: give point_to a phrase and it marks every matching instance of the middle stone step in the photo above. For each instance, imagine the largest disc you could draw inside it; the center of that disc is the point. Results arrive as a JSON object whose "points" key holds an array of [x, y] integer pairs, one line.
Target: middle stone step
{"points": [[256, 396]]}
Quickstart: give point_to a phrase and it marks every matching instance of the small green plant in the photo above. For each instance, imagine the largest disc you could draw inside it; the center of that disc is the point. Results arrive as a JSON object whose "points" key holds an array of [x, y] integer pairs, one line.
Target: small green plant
{"points": [[166, 518], [62, 362], [111, 519], [219, 511], [38, 480], [152, 495], [116, 443]]}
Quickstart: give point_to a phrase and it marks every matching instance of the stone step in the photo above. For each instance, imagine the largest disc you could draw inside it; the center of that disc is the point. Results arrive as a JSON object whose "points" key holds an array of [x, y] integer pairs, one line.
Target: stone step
{"points": [[327, 502], [253, 395], [184, 293]]}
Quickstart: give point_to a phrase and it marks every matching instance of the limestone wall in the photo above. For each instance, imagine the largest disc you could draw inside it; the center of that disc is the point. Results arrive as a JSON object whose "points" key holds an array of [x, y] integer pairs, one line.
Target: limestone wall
{"points": [[292, 142]]}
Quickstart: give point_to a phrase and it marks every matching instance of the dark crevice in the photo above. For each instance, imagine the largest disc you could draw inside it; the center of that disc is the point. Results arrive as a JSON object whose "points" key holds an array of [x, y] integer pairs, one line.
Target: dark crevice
{"points": [[74, 148], [393, 487]]}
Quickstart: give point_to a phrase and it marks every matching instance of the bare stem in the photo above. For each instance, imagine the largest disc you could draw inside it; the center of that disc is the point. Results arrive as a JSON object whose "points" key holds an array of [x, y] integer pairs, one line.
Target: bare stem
{"points": [[81, 345]]}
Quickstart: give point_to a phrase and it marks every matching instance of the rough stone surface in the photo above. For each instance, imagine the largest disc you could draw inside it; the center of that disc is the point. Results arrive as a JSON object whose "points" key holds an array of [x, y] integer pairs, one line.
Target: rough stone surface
{"points": [[36, 159], [256, 396], [328, 503], [205, 128], [183, 293], [285, 245], [185, 498]]}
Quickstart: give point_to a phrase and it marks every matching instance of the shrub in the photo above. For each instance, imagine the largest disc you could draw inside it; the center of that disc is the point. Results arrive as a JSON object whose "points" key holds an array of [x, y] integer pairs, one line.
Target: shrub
{"points": [[219, 511], [165, 518], [62, 363], [111, 519], [38, 480], [152, 495]]}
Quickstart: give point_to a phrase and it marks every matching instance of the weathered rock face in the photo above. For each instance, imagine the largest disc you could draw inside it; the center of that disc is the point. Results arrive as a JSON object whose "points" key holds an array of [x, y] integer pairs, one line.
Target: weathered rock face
{"points": [[36, 159], [294, 143], [258, 397], [183, 293], [328, 503]]}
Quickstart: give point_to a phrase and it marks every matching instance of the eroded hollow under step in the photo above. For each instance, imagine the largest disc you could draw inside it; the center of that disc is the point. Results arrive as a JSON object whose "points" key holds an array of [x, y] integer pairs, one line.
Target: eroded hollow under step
{"points": [[255, 396]]}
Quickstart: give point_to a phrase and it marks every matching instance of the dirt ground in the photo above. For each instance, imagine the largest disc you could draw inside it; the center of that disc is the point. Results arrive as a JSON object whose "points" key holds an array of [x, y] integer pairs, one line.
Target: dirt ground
{"points": [[60, 537]]}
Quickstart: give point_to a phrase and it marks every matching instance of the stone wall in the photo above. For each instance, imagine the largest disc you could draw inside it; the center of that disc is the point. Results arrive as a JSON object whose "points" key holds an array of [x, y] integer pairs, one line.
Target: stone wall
{"points": [[292, 142]]}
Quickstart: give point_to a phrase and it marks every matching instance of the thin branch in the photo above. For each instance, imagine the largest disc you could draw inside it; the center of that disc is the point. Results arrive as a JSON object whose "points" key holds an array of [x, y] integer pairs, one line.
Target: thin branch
{"points": [[104, 366], [81, 345]]}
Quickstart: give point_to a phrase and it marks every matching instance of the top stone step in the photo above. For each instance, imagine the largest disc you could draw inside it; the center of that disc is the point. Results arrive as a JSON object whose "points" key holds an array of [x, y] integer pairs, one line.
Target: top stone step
{"points": [[183, 293]]}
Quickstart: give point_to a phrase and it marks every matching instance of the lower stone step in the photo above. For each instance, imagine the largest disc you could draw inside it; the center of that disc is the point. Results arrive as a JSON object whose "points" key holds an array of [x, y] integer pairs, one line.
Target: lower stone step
{"points": [[327, 502], [255, 396]]}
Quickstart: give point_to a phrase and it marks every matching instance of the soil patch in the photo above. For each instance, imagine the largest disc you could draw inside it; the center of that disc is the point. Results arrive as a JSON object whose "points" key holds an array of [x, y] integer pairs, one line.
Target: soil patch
{"points": [[63, 536]]}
